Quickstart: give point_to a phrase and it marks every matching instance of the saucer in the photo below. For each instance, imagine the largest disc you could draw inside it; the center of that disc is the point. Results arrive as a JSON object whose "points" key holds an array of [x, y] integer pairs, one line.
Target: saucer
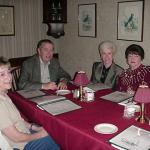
{"points": [[63, 92], [105, 128]]}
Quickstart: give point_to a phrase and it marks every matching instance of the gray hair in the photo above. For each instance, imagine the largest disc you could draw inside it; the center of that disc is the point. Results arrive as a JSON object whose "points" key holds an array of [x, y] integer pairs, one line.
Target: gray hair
{"points": [[107, 44]]}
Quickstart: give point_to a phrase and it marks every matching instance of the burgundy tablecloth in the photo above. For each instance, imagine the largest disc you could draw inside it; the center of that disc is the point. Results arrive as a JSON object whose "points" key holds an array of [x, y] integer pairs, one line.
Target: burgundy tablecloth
{"points": [[75, 130]]}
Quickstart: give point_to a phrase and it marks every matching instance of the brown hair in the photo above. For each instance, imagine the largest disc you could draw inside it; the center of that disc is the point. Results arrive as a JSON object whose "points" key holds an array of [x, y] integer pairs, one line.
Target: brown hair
{"points": [[44, 41], [135, 49]]}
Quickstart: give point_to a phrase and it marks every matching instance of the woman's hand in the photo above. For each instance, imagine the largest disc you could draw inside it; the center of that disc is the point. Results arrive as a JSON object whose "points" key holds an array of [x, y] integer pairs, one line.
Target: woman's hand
{"points": [[35, 127], [42, 133]]}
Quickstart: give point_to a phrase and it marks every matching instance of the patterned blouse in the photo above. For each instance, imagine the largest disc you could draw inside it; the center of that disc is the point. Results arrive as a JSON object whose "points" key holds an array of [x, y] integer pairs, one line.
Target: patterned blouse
{"points": [[130, 80]]}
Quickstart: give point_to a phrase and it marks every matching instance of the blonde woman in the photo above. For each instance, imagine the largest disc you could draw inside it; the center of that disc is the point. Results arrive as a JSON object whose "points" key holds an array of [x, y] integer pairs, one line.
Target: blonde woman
{"points": [[12, 126]]}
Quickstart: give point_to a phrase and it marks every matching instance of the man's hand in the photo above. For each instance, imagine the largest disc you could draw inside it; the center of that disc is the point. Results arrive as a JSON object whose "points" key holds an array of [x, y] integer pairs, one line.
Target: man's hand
{"points": [[49, 85], [62, 85]]}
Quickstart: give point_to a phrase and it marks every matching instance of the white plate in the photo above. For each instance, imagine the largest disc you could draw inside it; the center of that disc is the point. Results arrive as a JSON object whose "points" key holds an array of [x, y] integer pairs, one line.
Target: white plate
{"points": [[63, 92], [106, 128]]}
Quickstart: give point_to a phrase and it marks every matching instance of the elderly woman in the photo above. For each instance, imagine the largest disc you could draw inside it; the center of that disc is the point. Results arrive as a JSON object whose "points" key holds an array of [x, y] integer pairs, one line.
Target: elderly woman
{"points": [[106, 71], [137, 73], [13, 127]]}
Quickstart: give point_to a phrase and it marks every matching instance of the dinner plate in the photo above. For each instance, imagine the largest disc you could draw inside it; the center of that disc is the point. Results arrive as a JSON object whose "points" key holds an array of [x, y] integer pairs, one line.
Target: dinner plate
{"points": [[63, 92], [106, 128]]}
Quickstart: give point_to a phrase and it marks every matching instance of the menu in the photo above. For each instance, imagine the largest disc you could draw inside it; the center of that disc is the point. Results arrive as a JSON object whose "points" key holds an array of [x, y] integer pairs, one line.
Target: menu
{"points": [[117, 96], [132, 138]]}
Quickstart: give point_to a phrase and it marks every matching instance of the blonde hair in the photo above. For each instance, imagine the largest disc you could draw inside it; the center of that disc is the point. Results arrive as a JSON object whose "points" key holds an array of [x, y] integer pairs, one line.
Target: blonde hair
{"points": [[4, 61], [107, 44]]}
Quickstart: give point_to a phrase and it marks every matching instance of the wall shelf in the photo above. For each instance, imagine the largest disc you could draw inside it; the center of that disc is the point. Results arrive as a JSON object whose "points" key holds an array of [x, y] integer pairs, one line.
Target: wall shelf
{"points": [[54, 11]]}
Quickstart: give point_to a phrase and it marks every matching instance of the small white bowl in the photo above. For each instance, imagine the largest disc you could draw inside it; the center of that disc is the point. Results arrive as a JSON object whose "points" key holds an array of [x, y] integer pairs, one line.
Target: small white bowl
{"points": [[137, 107], [131, 110]]}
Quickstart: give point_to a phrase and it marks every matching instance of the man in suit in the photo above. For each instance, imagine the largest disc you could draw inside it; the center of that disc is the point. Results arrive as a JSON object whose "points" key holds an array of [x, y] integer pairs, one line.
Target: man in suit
{"points": [[42, 71], [106, 71]]}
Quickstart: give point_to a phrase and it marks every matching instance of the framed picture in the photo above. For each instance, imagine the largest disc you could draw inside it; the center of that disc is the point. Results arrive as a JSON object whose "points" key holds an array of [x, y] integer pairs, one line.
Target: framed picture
{"points": [[87, 20], [130, 20], [7, 20]]}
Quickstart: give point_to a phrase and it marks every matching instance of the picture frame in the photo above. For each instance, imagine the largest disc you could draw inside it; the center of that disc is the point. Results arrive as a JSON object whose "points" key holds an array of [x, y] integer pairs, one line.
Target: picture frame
{"points": [[87, 20], [130, 20], [7, 25]]}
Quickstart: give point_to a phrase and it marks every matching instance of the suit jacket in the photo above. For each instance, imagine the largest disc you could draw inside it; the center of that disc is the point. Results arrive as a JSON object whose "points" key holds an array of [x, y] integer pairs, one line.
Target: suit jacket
{"points": [[30, 77], [112, 75]]}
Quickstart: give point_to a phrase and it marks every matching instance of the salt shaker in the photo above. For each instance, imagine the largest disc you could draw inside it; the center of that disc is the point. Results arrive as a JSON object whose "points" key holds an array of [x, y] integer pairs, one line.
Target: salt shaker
{"points": [[76, 93], [129, 111], [89, 96]]}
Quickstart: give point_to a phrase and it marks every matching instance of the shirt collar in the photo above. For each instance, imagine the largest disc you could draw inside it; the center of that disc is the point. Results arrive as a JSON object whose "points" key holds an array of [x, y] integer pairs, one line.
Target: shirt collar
{"points": [[41, 62]]}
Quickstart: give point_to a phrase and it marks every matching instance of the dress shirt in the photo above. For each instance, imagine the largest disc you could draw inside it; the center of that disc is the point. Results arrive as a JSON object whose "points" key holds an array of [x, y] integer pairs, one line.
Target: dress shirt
{"points": [[104, 74], [45, 76]]}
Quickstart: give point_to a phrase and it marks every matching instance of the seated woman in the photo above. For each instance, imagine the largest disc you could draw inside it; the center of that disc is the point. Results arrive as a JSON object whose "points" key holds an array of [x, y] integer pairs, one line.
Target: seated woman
{"points": [[12, 126], [106, 71], [137, 73]]}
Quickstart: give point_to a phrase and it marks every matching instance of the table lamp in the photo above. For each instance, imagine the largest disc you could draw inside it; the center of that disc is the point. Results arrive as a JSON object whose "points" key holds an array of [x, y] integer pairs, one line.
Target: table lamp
{"points": [[142, 96], [81, 79]]}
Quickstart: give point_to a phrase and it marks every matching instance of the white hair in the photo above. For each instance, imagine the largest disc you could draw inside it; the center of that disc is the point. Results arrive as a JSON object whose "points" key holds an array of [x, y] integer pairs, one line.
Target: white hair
{"points": [[107, 44]]}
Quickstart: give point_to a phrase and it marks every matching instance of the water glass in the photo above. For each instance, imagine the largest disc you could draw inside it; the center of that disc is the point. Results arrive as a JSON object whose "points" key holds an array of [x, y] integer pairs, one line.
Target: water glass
{"points": [[129, 111]]}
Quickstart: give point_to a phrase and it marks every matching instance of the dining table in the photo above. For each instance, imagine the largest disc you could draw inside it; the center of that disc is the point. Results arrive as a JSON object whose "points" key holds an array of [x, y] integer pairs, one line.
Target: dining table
{"points": [[75, 130]]}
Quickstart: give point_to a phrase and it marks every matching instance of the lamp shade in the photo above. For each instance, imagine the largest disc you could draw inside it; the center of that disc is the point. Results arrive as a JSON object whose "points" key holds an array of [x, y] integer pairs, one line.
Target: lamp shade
{"points": [[81, 78], [143, 94]]}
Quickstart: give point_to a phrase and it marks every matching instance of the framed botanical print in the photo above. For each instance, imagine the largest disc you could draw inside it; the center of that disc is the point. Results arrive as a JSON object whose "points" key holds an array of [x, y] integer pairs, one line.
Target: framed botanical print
{"points": [[7, 20], [87, 20], [130, 20]]}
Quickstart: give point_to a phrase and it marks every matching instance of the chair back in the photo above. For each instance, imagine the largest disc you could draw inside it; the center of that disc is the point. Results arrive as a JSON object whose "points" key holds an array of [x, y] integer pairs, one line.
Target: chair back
{"points": [[15, 77], [16, 64]]}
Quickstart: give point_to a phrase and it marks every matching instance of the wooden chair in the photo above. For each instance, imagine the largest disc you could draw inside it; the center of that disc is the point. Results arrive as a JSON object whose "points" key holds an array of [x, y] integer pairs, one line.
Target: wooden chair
{"points": [[16, 64], [15, 77]]}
